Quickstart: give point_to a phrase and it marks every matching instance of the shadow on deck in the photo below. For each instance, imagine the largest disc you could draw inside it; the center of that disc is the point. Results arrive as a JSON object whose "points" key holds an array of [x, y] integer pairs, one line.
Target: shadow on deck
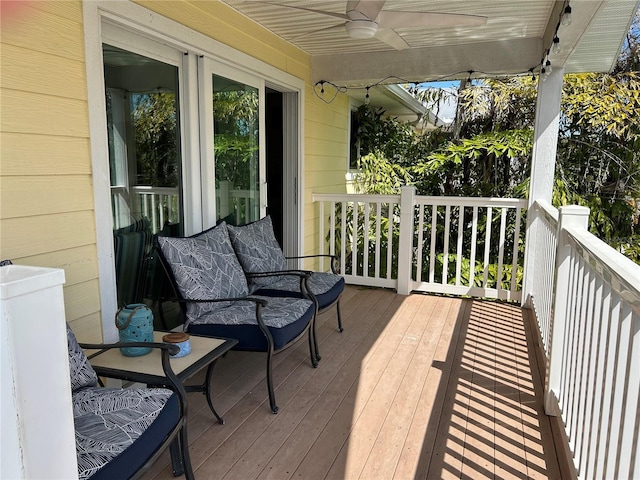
{"points": [[416, 387]]}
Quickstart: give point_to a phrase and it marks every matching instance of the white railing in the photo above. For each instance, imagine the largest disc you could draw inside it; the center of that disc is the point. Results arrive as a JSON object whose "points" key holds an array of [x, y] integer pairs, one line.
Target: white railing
{"points": [[242, 204], [457, 245], [543, 239], [594, 361], [585, 294], [158, 204]]}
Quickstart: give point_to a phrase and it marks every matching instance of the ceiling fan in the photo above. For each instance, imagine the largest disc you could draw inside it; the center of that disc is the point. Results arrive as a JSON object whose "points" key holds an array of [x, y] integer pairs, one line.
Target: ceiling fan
{"points": [[367, 19]]}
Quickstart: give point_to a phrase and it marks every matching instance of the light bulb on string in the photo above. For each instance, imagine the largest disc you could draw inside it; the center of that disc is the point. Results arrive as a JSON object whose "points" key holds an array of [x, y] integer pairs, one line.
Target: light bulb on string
{"points": [[547, 67], [366, 97], [555, 48], [566, 16]]}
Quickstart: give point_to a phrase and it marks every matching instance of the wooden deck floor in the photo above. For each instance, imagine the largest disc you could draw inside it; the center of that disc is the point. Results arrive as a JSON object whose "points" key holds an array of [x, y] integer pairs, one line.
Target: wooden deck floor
{"points": [[416, 387]]}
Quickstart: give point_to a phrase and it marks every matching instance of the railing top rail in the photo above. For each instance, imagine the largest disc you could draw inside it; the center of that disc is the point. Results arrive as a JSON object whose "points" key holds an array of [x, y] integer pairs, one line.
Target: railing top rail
{"points": [[354, 197], [472, 201], [621, 272], [423, 199], [550, 212], [151, 190]]}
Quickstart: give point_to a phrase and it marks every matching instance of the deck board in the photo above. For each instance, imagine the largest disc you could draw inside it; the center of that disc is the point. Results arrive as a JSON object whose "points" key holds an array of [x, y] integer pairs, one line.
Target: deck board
{"points": [[416, 387]]}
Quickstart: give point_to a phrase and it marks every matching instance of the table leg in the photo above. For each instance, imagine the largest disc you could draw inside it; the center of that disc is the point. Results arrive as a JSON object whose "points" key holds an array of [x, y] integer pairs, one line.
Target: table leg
{"points": [[204, 388]]}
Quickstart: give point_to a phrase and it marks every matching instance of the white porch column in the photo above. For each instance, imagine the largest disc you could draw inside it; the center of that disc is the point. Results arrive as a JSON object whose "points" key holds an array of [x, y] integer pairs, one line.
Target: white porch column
{"points": [[38, 438], [543, 162], [405, 241]]}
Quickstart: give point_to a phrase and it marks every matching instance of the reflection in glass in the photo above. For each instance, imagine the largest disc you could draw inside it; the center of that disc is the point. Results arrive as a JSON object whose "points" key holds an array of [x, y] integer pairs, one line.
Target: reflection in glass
{"points": [[236, 148], [144, 139]]}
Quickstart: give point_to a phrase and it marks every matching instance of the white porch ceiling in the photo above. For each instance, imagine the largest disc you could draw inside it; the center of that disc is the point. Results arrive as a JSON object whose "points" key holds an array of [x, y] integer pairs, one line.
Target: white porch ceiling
{"points": [[513, 40]]}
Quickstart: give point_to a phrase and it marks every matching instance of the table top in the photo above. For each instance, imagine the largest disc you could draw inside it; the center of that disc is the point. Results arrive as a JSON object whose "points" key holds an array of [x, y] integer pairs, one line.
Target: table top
{"points": [[148, 368]]}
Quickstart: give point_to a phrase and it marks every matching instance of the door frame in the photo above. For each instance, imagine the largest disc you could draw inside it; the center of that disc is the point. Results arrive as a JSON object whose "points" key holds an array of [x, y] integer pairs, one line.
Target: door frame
{"points": [[151, 25]]}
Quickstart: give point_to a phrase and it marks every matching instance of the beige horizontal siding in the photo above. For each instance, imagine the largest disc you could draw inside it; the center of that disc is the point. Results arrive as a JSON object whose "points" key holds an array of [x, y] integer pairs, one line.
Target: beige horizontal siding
{"points": [[46, 216], [65, 77], [46, 211], [39, 114], [32, 196], [26, 236], [27, 155]]}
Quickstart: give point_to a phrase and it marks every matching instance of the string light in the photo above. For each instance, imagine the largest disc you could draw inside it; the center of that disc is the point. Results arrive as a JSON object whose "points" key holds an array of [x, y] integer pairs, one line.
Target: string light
{"points": [[566, 16], [545, 68]]}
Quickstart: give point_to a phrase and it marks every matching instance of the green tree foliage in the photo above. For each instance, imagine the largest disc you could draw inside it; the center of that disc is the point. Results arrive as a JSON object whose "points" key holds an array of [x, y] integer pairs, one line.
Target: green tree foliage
{"points": [[488, 151], [235, 114], [155, 122]]}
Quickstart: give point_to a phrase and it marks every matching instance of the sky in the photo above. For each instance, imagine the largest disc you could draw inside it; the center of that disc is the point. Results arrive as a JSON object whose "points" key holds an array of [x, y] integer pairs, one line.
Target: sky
{"points": [[447, 111]]}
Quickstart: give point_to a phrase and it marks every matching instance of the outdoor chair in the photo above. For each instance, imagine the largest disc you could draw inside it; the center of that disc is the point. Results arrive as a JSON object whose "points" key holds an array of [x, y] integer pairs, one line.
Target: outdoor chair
{"points": [[212, 290], [131, 248], [262, 258], [121, 431]]}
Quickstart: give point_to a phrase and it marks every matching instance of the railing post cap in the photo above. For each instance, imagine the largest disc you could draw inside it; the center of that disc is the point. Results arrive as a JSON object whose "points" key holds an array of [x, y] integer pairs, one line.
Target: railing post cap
{"points": [[576, 210]]}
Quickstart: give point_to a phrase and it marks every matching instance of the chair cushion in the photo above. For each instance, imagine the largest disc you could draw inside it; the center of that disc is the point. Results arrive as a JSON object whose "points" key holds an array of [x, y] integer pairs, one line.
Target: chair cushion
{"points": [[108, 423], [257, 249], [204, 267], [81, 371], [326, 287], [285, 318]]}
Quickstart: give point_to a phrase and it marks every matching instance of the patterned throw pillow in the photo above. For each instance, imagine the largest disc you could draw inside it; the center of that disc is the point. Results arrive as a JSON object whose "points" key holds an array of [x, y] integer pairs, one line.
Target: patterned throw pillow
{"points": [[204, 267], [257, 249], [81, 371]]}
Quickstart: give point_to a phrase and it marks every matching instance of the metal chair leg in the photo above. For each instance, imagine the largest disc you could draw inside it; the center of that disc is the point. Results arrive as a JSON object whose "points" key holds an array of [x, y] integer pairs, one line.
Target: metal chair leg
{"points": [[186, 458], [339, 316], [272, 395]]}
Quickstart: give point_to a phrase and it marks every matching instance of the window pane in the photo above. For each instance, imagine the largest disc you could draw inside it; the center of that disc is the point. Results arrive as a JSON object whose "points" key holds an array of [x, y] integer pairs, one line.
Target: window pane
{"points": [[144, 138], [236, 147]]}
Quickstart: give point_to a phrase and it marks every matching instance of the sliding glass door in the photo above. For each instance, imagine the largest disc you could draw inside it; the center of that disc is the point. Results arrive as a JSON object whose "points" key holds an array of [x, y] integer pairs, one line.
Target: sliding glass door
{"points": [[232, 145], [145, 162], [236, 145]]}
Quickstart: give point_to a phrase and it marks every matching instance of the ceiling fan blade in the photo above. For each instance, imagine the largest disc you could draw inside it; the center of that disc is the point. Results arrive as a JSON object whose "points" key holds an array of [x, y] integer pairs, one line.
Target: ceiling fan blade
{"points": [[370, 8], [394, 19], [326, 29], [342, 16], [390, 37]]}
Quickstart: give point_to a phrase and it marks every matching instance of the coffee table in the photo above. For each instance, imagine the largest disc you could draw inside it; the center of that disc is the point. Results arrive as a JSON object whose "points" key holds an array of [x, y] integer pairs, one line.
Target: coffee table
{"points": [[147, 369]]}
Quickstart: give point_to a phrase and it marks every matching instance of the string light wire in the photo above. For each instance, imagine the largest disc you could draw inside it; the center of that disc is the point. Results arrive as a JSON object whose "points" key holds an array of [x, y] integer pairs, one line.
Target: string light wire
{"points": [[544, 68]]}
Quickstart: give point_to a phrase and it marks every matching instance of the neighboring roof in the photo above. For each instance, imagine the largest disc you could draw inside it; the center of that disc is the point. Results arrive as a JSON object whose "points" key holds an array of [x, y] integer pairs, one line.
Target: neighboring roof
{"points": [[394, 99], [513, 40]]}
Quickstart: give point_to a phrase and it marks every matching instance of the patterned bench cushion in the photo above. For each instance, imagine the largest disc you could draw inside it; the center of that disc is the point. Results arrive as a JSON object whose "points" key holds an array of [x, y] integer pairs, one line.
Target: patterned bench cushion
{"points": [[108, 423], [285, 318], [278, 313], [326, 287], [81, 371], [257, 249], [204, 267]]}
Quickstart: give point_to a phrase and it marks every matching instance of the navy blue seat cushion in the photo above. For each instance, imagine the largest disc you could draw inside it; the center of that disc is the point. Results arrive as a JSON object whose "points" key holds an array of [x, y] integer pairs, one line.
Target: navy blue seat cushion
{"points": [[326, 287], [251, 338], [116, 430], [135, 456], [258, 250], [285, 318]]}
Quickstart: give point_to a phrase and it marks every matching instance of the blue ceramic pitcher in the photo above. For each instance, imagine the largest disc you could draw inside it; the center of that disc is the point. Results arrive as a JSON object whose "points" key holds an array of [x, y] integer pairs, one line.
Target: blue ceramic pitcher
{"points": [[135, 324]]}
